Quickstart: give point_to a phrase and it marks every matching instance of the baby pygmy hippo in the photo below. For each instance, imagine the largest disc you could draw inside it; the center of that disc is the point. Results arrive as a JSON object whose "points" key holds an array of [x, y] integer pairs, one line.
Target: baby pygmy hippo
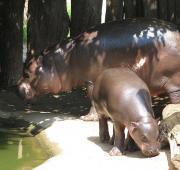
{"points": [[121, 95]]}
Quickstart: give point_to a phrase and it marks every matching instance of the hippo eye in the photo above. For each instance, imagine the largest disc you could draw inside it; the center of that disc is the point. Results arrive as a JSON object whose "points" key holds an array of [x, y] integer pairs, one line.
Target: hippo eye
{"points": [[39, 70], [28, 64]]}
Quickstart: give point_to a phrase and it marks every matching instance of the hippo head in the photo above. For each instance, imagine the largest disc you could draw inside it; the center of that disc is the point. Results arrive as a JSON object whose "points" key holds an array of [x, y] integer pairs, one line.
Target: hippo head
{"points": [[146, 134], [41, 76]]}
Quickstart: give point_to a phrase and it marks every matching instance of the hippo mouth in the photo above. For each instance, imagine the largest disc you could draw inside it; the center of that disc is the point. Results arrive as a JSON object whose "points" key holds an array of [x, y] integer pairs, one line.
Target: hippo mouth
{"points": [[26, 91], [150, 151]]}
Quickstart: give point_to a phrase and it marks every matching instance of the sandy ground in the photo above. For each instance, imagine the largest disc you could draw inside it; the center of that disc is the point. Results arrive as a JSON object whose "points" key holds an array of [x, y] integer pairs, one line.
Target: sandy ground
{"points": [[74, 144]]}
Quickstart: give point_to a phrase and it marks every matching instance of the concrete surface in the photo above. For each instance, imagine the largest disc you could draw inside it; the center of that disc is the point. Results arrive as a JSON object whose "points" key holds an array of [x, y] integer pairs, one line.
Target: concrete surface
{"points": [[78, 145], [72, 143]]}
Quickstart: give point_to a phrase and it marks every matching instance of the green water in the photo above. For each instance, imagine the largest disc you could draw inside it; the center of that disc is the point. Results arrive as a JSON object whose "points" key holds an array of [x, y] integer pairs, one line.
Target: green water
{"points": [[20, 153]]}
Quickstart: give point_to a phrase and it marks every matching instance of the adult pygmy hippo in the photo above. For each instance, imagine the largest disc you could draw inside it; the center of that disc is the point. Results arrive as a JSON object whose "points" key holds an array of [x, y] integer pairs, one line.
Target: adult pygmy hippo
{"points": [[121, 95], [150, 47]]}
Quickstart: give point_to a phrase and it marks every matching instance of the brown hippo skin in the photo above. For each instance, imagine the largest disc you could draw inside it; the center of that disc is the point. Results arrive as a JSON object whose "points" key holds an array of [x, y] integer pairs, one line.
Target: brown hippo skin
{"points": [[121, 95], [150, 47]]}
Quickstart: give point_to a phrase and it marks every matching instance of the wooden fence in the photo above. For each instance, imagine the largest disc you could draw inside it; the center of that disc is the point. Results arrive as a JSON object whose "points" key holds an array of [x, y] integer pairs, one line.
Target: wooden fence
{"points": [[162, 9], [48, 23]]}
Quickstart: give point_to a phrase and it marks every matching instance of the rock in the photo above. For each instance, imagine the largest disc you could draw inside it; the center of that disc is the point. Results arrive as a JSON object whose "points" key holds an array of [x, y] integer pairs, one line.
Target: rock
{"points": [[170, 130], [170, 109]]}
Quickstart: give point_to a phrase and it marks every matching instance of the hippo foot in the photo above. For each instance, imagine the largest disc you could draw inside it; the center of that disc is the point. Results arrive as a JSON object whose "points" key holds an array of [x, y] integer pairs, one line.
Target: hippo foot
{"points": [[91, 116], [115, 152]]}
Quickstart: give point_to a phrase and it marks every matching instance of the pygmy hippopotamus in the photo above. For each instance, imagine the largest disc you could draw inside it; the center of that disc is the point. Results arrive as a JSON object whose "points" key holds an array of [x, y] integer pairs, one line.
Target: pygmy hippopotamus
{"points": [[150, 47], [121, 95]]}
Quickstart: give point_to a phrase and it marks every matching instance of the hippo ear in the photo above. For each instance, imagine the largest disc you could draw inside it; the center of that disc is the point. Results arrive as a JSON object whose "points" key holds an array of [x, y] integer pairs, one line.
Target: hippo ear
{"points": [[133, 126], [39, 60]]}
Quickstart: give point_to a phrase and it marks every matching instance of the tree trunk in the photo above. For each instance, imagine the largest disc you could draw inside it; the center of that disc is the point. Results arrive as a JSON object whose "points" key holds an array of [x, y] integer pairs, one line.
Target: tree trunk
{"points": [[162, 9], [48, 23], [171, 10], [178, 13], [114, 10], [130, 8], [84, 14], [11, 40], [2, 14], [150, 8], [139, 8]]}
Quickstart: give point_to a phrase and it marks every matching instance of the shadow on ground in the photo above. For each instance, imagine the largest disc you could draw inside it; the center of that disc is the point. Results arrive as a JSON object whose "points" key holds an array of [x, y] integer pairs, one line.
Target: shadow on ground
{"points": [[41, 113], [165, 152]]}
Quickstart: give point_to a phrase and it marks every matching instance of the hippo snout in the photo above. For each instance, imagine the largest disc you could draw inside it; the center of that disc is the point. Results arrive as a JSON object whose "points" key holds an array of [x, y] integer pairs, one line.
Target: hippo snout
{"points": [[26, 91], [151, 150]]}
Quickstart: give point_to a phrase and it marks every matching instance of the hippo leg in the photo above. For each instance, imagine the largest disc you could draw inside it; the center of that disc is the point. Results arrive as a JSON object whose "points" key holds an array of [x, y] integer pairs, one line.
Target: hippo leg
{"points": [[173, 88], [103, 129], [92, 115], [130, 145], [119, 139]]}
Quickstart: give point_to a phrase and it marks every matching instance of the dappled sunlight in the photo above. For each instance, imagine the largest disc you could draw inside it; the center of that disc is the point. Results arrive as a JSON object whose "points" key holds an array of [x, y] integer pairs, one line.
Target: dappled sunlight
{"points": [[40, 114]]}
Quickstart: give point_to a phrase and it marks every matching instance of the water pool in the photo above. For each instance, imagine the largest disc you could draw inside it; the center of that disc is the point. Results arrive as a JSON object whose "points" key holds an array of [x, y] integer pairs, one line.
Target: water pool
{"points": [[20, 153]]}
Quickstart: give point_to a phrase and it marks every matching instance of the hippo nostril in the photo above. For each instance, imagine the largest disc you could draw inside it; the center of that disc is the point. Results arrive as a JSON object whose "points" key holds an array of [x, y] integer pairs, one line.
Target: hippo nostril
{"points": [[151, 152], [154, 152]]}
